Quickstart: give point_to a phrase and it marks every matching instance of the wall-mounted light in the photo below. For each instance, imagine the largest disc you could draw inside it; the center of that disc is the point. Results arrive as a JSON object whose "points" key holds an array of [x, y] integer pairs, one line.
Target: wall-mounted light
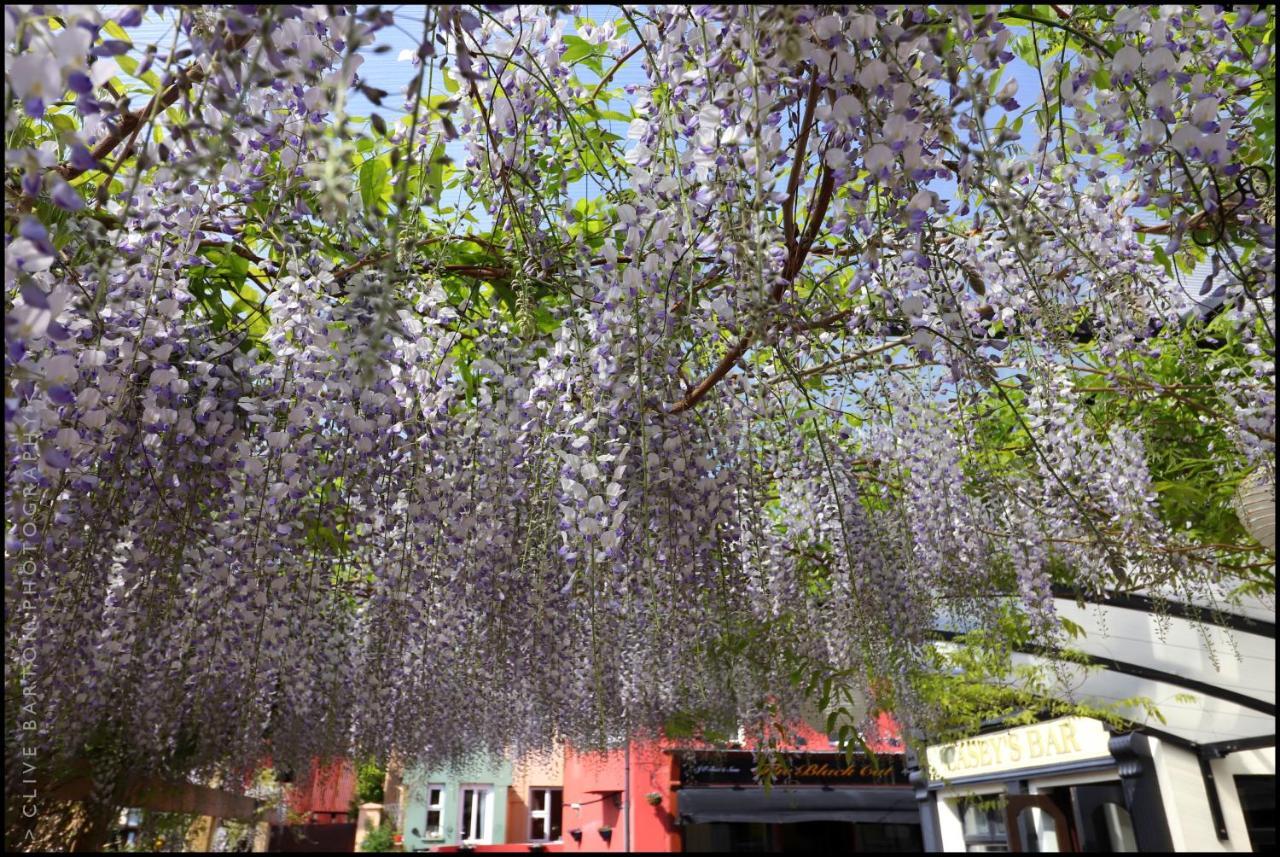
{"points": [[1255, 504]]}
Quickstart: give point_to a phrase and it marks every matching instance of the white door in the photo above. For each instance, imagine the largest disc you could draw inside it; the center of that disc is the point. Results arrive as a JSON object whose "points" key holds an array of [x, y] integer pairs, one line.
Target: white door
{"points": [[475, 818]]}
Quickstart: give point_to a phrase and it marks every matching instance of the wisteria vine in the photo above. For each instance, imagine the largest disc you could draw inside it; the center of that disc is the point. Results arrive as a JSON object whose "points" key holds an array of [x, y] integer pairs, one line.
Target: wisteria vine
{"points": [[557, 406]]}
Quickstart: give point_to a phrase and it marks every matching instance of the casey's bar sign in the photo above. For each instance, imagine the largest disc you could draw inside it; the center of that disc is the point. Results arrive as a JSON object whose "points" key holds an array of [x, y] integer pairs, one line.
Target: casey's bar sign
{"points": [[1055, 742], [737, 767]]}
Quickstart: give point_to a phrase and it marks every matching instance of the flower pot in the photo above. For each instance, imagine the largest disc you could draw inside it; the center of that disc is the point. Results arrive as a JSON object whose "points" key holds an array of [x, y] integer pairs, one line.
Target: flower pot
{"points": [[1255, 504]]}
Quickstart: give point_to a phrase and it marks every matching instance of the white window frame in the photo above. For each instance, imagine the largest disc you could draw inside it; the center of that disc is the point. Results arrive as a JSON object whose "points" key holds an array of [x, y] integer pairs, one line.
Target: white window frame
{"points": [[544, 814], [437, 807], [485, 795]]}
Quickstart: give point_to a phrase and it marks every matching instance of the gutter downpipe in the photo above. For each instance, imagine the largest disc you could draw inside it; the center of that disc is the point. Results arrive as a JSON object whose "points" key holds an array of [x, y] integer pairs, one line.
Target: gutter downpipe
{"points": [[626, 795]]}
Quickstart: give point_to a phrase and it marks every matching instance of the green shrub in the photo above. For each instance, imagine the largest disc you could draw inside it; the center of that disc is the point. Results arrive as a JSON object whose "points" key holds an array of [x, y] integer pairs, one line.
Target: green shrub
{"points": [[381, 838], [369, 779]]}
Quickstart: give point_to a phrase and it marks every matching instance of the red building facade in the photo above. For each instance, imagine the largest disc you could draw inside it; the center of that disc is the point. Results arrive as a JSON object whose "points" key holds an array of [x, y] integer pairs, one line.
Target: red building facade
{"points": [[325, 795], [660, 796]]}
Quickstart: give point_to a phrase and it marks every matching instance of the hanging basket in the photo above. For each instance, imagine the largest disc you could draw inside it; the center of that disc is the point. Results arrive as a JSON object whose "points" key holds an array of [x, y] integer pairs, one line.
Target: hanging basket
{"points": [[1255, 504]]}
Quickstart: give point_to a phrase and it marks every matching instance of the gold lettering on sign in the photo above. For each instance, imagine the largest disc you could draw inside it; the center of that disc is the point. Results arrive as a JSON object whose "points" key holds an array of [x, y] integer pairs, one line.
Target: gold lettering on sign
{"points": [[1052, 743], [1036, 744], [1069, 736], [1015, 749]]}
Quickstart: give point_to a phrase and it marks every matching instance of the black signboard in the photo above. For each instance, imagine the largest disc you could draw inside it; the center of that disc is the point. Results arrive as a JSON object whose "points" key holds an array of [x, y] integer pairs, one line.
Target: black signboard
{"points": [[703, 768]]}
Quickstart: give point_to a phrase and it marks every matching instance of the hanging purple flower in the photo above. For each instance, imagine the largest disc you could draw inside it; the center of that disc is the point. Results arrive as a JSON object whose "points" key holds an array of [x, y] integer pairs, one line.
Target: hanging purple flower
{"points": [[65, 196]]}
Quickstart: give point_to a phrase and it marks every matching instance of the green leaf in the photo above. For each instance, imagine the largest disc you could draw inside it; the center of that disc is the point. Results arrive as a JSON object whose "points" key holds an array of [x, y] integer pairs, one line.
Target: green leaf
{"points": [[579, 49], [115, 31], [1072, 629], [1163, 258], [373, 182], [62, 122], [436, 172]]}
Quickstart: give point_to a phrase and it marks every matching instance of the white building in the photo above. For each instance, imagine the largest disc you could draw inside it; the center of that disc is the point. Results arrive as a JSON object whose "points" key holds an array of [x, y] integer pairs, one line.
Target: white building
{"points": [[1202, 778]]}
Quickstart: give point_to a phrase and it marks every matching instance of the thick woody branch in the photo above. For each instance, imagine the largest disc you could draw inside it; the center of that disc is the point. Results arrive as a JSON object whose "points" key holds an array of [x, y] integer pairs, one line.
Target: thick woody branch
{"points": [[130, 123]]}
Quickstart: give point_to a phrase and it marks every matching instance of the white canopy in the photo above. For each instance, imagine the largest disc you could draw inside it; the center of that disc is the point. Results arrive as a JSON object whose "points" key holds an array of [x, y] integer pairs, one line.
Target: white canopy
{"points": [[1209, 672]]}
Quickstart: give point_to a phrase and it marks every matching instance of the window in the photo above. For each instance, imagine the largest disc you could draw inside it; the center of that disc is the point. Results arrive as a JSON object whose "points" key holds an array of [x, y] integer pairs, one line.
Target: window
{"points": [[1258, 803], [1101, 817], [474, 821], [546, 808], [984, 828], [435, 811], [130, 824], [889, 838]]}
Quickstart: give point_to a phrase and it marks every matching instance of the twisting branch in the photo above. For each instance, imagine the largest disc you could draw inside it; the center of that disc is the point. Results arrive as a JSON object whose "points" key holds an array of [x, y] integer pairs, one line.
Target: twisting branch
{"points": [[797, 250], [132, 122]]}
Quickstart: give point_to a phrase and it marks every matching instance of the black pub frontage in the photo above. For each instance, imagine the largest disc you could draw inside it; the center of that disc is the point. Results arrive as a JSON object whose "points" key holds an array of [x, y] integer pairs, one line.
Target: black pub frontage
{"points": [[820, 803]]}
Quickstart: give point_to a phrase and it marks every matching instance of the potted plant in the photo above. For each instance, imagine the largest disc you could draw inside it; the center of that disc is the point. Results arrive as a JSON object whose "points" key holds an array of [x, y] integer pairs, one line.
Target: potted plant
{"points": [[576, 833], [654, 798], [606, 832]]}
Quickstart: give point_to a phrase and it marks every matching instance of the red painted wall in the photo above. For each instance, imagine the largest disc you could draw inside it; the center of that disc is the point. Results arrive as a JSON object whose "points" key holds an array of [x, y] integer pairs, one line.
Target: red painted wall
{"points": [[595, 782], [326, 793]]}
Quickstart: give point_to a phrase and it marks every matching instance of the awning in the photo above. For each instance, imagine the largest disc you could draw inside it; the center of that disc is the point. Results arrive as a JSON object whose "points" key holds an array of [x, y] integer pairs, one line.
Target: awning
{"points": [[1208, 667], [790, 806]]}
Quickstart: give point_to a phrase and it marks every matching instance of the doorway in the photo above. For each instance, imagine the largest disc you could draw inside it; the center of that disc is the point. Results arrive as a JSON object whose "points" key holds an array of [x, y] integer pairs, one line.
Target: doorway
{"points": [[1090, 818]]}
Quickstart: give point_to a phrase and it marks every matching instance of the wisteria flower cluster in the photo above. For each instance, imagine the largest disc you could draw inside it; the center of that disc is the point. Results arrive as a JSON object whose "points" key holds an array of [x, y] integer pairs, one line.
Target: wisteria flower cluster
{"points": [[558, 406]]}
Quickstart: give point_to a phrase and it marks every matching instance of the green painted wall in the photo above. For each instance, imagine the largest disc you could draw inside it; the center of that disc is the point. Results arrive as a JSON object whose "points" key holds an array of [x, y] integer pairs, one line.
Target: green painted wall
{"points": [[478, 771]]}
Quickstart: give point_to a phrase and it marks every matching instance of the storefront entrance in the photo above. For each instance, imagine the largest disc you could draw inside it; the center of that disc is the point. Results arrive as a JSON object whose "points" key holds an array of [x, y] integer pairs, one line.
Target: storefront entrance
{"points": [[809, 837], [1071, 818], [823, 803]]}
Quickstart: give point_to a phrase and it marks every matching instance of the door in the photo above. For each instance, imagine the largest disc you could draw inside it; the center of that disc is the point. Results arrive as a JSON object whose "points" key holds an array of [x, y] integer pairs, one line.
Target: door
{"points": [[1050, 832]]}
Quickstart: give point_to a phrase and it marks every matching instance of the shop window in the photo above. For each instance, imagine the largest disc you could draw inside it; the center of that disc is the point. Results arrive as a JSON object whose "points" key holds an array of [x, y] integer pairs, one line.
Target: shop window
{"points": [[1258, 803], [1112, 821], [889, 838], [546, 809], [475, 819], [742, 837], [1101, 818], [435, 811], [984, 824], [1042, 831]]}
